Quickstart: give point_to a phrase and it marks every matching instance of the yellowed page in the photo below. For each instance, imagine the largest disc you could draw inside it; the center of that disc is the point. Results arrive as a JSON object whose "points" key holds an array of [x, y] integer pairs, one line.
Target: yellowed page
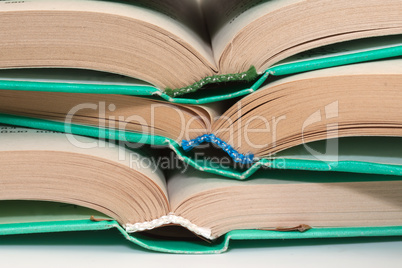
{"points": [[338, 49], [226, 18], [182, 18], [24, 139], [280, 198], [386, 67], [379, 150], [186, 183]]}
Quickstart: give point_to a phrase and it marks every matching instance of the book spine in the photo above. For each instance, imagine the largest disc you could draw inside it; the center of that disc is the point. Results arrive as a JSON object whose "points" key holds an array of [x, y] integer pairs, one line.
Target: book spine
{"points": [[235, 155], [247, 76], [169, 219]]}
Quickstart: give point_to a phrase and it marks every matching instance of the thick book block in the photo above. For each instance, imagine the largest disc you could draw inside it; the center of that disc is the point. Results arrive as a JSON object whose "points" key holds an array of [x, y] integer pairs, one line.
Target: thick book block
{"points": [[103, 187], [179, 48]]}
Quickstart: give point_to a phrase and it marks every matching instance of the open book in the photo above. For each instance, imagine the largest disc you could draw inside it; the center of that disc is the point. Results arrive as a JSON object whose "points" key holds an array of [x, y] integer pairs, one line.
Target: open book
{"points": [[354, 100], [125, 186], [180, 46]]}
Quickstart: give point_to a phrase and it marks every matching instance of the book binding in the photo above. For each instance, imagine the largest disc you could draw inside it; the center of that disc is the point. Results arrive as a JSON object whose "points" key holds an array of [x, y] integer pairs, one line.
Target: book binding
{"points": [[211, 138], [166, 220]]}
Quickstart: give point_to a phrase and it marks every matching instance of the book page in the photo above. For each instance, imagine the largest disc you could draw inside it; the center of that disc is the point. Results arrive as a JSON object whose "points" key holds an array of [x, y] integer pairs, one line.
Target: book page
{"points": [[225, 18], [274, 199], [381, 67], [25, 139], [186, 12], [344, 48], [379, 150], [181, 18], [184, 186], [189, 182]]}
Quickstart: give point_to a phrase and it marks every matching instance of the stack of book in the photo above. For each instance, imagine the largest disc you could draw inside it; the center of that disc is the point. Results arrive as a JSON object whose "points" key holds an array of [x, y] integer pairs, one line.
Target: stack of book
{"points": [[187, 124]]}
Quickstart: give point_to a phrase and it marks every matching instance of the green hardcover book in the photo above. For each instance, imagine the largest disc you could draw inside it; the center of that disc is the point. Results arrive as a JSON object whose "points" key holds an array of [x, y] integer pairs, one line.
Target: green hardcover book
{"points": [[269, 128], [178, 48], [102, 186]]}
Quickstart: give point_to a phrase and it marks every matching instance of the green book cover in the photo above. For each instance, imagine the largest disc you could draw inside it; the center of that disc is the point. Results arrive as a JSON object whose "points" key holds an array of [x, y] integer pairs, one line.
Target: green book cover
{"points": [[195, 247]]}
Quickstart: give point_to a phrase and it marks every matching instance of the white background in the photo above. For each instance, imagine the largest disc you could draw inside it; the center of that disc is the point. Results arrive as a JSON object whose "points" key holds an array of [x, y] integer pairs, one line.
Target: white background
{"points": [[109, 249]]}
